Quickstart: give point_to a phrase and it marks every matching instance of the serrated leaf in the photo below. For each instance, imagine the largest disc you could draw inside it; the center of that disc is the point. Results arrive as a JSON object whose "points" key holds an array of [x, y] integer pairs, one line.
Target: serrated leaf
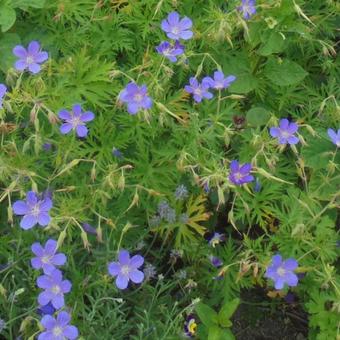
{"points": [[206, 314], [7, 17], [258, 116], [284, 73]]}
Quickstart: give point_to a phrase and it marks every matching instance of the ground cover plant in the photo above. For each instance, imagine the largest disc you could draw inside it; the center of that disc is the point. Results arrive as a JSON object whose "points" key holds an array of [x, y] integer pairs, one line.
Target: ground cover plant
{"points": [[169, 169]]}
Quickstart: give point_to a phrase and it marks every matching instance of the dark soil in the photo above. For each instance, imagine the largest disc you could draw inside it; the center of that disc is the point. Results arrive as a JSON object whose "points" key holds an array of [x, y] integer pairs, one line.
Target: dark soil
{"points": [[259, 319]]}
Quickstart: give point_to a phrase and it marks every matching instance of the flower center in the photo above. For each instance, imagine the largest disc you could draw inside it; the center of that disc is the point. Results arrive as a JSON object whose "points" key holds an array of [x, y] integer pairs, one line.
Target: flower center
{"points": [[192, 326], [125, 270], [29, 60], [198, 92], [285, 134], [45, 259], [175, 30], [138, 97], [56, 289], [75, 121], [281, 271], [36, 210], [57, 331], [238, 176]]}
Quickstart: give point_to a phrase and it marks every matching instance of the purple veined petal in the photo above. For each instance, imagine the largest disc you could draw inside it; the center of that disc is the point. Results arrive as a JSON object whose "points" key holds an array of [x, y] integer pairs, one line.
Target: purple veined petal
{"points": [[81, 131], [21, 208], [44, 219], [173, 18], [274, 132], [143, 90], [185, 23], [20, 51], [218, 75], [292, 128], [147, 103], [48, 268], [36, 263], [186, 35], [124, 257], [33, 47], [173, 36], [57, 275], [44, 281], [207, 95], [247, 179], [28, 222], [46, 336], [234, 166], [270, 272], [277, 260], [31, 198], [165, 26], [58, 301], [63, 318], [124, 96], [87, 116], [291, 279], [41, 57], [230, 79], [76, 109], [34, 68], [20, 65], [71, 332], [290, 264], [46, 204], [66, 286], [114, 268], [282, 140], [284, 123], [3, 90], [64, 114], [65, 128], [197, 98], [279, 283], [122, 281], [245, 168], [48, 321], [44, 298], [59, 259], [132, 88], [188, 89], [51, 246], [136, 261], [37, 249], [193, 82], [133, 108], [293, 140], [136, 276]]}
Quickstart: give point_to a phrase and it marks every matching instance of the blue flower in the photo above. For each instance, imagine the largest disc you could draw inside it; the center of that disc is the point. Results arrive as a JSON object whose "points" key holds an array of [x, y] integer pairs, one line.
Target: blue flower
{"points": [[181, 192], [285, 132], [334, 136], [170, 51], [199, 91], [219, 82], [247, 8], [176, 28], [3, 90]]}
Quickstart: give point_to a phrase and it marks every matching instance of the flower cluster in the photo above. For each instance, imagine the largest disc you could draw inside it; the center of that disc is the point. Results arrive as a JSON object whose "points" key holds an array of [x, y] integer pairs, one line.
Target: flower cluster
{"points": [[52, 298], [247, 8]]}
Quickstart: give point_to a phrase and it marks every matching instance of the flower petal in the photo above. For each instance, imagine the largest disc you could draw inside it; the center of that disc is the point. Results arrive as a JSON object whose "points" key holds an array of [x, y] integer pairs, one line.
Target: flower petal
{"points": [[291, 279], [113, 268], [76, 108], [87, 116], [277, 260], [37, 249], [124, 257], [71, 332], [64, 114], [41, 57], [290, 264], [33, 47], [279, 283], [65, 128], [46, 204], [44, 281], [34, 68], [28, 221], [44, 298], [122, 281], [36, 263], [245, 168], [165, 26], [48, 321], [20, 65], [292, 140], [284, 123], [185, 23], [63, 318], [45, 336], [59, 259], [66, 286], [173, 18], [58, 301], [132, 108], [136, 276], [81, 131], [234, 166], [136, 261], [21, 208], [274, 132], [20, 51], [44, 219], [31, 198], [186, 35]]}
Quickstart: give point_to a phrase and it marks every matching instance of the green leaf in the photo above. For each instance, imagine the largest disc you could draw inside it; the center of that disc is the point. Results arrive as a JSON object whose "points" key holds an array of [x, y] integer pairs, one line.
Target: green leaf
{"points": [[24, 4], [206, 314], [284, 73], [274, 44], [215, 333], [258, 116], [227, 311], [7, 17], [7, 42]]}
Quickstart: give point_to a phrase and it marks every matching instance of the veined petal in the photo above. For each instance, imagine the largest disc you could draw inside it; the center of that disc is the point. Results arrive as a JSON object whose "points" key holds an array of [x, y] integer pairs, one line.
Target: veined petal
{"points": [[28, 222], [20, 52], [71, 332], [63, 318], [136, 261], [122, 281], [136, 276], [33, 47], [21, 208], [124, 257], [37, 249]]}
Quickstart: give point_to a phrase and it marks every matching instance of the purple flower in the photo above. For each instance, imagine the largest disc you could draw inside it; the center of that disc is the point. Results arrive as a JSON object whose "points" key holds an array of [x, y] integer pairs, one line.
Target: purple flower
{"points": [[177, 29], [190, 326], [58, 329], [3, 90], [282, 272], [219, 82], [47, 146], [117, 153], [75, 120], [30, 58], [163, 208], [257, 186], [34, 210], [170, 51], [199, 91], [285, 132], [47, 258], [126, 269], [89, 229], [55, 288], [334, 136], [215, 261], [136, 97], [240, 174], [181, 192], [216, 239], [47, 309], [247, 8]]}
